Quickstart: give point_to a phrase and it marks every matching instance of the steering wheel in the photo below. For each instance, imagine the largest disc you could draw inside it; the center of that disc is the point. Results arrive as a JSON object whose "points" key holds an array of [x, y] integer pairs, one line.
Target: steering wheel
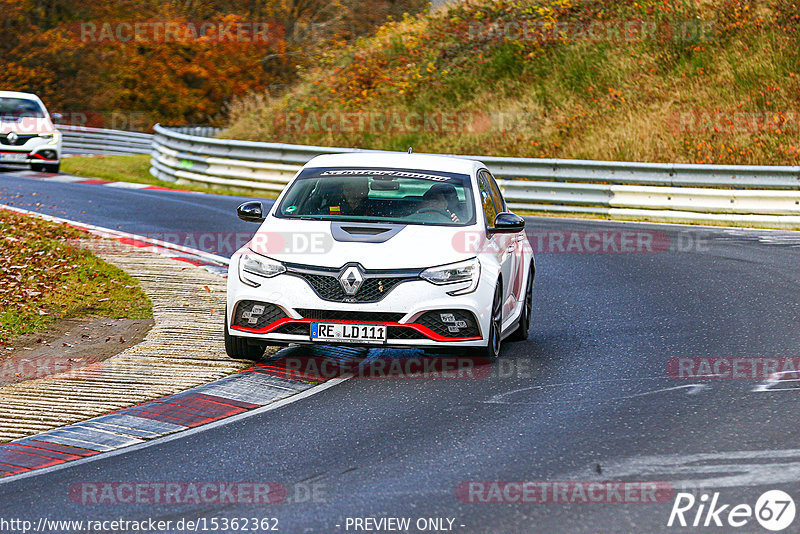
{"points": [[431, 209]]}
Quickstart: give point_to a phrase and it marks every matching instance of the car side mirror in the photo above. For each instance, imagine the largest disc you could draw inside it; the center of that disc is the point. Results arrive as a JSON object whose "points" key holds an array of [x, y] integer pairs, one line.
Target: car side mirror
{"points": [[507, 223], [56, 117], [251, 212]]}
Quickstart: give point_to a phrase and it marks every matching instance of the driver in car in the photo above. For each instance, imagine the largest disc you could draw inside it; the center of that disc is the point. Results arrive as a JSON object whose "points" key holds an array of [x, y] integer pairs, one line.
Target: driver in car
{"points": [[353, 199], [441, 199]]}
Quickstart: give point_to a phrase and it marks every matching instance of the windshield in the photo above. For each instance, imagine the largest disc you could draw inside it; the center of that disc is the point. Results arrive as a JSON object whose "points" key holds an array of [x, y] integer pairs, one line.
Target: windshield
{"points": [[14, 108], [380, 195]]}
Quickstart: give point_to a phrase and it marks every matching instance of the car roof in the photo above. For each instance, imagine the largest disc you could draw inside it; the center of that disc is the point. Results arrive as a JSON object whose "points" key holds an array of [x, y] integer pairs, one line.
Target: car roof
{"points": [[396, 160], [16, 94]]}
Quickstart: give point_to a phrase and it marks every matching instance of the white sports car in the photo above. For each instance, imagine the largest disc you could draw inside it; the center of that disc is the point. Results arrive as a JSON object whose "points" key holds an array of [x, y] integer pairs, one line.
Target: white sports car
{"points": [[27, 133], [382, 249]]}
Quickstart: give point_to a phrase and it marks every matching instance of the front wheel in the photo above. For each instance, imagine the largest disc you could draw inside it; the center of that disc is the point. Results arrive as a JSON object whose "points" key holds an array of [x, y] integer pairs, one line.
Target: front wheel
{"points": [[240, 348], [46, 167], [492, 349]]}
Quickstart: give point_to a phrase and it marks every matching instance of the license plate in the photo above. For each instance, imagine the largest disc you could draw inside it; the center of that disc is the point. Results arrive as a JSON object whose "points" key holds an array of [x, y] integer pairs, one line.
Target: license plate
{"points": [[348, 332], [6, 156]]}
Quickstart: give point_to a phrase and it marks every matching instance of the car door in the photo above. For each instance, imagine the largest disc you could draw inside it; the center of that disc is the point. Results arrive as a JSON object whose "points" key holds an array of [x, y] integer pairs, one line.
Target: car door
{"points": [[502, 245], [515, 248]]}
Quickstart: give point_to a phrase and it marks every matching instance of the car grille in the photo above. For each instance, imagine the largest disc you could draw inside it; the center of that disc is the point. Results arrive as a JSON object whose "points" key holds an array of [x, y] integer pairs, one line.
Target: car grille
{"points": [[294, 329], [21, 139], [451, 323], [376, 284], [341, 315], [256, 315], [402, 332]]}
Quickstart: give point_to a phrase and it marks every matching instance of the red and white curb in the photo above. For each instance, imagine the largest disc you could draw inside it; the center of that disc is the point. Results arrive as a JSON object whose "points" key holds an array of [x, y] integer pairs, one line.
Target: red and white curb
{"points": [[259, 388], [252, 391]]}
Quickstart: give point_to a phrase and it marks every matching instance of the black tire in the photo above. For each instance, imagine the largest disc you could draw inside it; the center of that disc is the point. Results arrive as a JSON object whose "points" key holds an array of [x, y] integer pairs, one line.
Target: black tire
{"points": [[492, 349], [46, 167], [521, 333], [240, 348]]}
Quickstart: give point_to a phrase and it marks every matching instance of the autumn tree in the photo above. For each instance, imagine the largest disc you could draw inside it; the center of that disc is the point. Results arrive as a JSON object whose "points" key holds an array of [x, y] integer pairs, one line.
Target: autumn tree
{"points": [[83, 56]]}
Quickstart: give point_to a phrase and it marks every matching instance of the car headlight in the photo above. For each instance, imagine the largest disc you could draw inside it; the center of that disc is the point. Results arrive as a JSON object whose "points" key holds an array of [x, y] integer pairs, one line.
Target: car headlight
{"points": [[253, 264], [53, 138], [454, 273]]}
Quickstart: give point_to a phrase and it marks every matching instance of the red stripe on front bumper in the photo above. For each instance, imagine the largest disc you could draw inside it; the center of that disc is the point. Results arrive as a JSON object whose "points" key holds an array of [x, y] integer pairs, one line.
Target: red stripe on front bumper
{"points": [[425, 331], [42, 157], [29, 156]]}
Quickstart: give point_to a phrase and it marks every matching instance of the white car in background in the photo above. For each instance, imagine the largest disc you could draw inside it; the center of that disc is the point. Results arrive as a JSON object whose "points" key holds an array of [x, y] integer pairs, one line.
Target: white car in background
{"points": [[27, 133], [382, 250]]}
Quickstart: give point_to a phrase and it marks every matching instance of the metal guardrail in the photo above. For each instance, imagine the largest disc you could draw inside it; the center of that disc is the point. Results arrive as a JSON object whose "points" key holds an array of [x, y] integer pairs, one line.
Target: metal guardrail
{"points": [[657, 191], [83, 140], [196, 130]]}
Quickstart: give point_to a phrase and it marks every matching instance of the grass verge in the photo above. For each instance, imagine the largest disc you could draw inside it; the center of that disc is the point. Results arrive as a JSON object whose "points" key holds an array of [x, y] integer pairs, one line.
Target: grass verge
{"points": [[136, 169], [45, 277]]}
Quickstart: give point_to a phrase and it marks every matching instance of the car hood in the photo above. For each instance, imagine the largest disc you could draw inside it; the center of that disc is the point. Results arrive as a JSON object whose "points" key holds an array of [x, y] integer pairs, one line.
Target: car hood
{"points": [[327, 244], [27, 125]]}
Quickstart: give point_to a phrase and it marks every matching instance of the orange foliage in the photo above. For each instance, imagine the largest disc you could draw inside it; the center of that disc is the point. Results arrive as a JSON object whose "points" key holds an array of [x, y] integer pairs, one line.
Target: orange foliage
{"points": [[170, 62]]}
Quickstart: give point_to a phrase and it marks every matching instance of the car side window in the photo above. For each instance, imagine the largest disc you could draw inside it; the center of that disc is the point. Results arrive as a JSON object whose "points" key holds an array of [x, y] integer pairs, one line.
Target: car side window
{"points": [[497, 196], [488, 203]]}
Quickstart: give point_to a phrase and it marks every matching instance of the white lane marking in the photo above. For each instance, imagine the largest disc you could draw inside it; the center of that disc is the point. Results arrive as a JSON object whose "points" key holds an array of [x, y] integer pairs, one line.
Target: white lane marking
{"points": [[183, 434], [127, 185], [735, 468], [768, 385], [63, 179], [699, 227], [776, 237], [501, 398], [693, 390]]}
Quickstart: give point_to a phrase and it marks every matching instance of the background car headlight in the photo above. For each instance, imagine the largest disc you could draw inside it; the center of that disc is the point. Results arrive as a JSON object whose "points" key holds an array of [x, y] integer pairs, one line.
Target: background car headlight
{"points": [[253, 264], [463, 271], [52, 138]]}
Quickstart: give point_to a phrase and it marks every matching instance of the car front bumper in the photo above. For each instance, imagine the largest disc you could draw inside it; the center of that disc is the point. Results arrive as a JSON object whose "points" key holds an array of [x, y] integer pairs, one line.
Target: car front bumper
{"points": [[412, 312], [36, 150]]}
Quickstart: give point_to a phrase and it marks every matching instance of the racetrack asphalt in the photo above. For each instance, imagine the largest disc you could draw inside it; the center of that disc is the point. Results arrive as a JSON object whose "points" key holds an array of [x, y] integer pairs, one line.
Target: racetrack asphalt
{"points": [[591, 396]]}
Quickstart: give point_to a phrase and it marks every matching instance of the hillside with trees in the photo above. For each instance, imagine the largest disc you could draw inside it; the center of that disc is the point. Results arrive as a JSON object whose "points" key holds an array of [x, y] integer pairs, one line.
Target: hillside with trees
{"points": [[131, 63], [689, 81]]}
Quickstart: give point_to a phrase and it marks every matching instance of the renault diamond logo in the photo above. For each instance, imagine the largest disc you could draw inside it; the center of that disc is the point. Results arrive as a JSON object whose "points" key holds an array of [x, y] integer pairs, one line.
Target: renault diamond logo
{"points": [[12, 137], [351, 279]]}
